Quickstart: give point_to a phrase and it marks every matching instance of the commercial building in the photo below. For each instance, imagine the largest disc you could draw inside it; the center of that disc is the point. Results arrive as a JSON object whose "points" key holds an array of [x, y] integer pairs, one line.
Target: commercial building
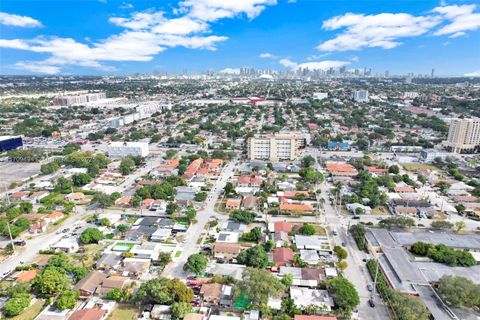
{"points": [[10, 143], [464, 135], [275, 147], [78, 99], [360, 96], [120, 149], [320, 95]]}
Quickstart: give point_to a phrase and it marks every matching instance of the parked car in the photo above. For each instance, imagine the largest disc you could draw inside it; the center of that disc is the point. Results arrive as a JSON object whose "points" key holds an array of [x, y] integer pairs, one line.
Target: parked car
{"points": [[370, 287], [371, 303]]}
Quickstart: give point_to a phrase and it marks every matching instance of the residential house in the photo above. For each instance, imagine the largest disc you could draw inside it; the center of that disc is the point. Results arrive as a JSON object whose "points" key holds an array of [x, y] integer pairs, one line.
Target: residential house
{"points": [[38, 227], [135, 267], [227, 251], [249, 202], [233, 204], [109, 261], [89, 284], [67, 245], [89, 314], [305, 297], [294, 207], [54, 217], [110, 283], [211, 293], [282, 256]]}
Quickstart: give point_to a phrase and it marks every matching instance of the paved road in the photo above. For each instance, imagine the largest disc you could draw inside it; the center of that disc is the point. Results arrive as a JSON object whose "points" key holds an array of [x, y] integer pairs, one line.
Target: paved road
{"points": [[356, 271], [175, 269], [41, 242]]}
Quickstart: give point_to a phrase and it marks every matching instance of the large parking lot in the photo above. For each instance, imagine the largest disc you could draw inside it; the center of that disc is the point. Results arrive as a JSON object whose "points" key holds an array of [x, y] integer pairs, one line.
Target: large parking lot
{"points": [[14, 171]]}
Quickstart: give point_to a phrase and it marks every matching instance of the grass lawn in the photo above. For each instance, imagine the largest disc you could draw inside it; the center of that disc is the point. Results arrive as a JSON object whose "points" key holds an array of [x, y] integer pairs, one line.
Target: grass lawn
{"points": [[380, 211], [417, 166], [124, 312], [319, 230], [31, 312], [87, 257]]}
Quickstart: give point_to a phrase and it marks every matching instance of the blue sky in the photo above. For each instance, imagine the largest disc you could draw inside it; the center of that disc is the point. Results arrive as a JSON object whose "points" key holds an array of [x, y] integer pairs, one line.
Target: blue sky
{"points": [[113, 36]]}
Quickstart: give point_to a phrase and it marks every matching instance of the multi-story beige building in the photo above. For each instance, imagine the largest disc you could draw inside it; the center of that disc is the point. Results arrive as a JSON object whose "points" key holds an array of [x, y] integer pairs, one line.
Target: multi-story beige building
{"points": [[284, 146], [464, 134]]}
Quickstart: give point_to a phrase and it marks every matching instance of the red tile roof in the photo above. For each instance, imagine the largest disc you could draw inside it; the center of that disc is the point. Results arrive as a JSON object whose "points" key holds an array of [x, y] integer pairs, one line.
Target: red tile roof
{"points": [[282, 226], [282, 256], [296, 207]]}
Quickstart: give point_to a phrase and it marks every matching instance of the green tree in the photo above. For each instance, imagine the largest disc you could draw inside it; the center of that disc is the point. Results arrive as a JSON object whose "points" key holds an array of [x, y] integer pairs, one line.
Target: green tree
{"points": [[442, 224], [307, 161], [50, 281], [172, 207], [253, 257], [407, 307], [229, 188], [180, 309], [345, 295], [164, 258], [103, 200], [67, 299], [307, 229], [191, 213], [243, 216], [127, 165], [310, 175], [196, 263], [91, 235], [394, 169], [26, 207], [81, 179], [63, 185], [200, 197], [459, 225], [49, 168], [16, 304], [459, 291], [259, 285], [115, 294], [340, 252], [163, 291]]}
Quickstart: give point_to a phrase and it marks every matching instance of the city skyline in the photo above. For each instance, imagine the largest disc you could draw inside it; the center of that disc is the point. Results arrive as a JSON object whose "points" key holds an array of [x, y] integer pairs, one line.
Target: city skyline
{"points": [[115, 37]]}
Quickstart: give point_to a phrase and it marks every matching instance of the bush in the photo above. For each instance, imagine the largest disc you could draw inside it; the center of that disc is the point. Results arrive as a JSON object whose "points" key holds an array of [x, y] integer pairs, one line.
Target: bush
{"points": [[16, 304], [307, 229], [67, 299], [243, 216], [443, 254], [358, 233], [91, 235]]}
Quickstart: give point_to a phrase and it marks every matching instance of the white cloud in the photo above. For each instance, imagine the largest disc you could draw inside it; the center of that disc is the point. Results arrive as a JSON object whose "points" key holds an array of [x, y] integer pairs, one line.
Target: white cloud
{"points": [[126, 5], [473, 74], [37, 67], [212, 10], [384, 30], [230, 71], [267, 56], [380, 30], [313, 65], [317, 56], [145, 35], [461, 18], [14, 20]]}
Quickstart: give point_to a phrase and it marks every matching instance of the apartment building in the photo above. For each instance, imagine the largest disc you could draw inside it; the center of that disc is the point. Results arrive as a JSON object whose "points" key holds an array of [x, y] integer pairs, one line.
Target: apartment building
{"points": [[464, 135], [360, 96], [276, 147], [120, 149]]}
